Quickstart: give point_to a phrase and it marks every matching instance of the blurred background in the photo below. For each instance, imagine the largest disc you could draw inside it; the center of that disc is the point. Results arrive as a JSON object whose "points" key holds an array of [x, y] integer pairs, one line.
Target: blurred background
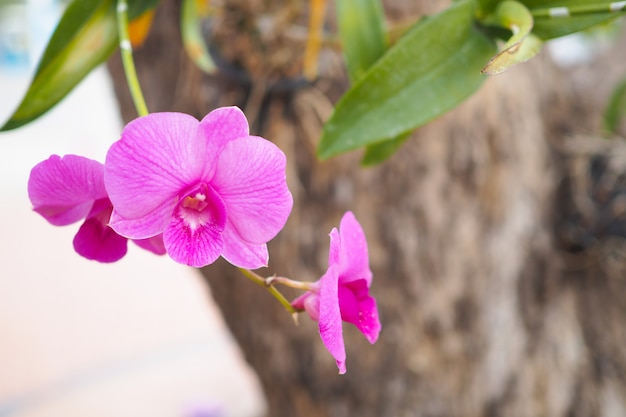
{"points": [[140, 337]]}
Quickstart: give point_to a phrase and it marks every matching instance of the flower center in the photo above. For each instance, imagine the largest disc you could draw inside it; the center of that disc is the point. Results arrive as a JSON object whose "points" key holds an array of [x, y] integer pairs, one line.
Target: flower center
{"points": [[197, 202], [202, 207]]}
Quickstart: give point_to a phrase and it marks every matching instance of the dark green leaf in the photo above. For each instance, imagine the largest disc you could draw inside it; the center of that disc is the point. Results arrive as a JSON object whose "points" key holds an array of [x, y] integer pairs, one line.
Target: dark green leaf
{"points": [[541, 4], [362, 32], [84, 38], [580, 17], [616, 109], [431, 69], [486, 6], [554, 28], [379, 152]]}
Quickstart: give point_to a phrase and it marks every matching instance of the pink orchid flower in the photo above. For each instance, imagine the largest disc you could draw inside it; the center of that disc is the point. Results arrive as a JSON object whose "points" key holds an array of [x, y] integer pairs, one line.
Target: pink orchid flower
{"points": [[208, 186], [68, 189], [343, 292]]}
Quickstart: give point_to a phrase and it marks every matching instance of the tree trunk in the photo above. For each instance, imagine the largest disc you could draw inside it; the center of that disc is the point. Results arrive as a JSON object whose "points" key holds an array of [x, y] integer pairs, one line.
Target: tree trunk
{"points": [[496, 238]]}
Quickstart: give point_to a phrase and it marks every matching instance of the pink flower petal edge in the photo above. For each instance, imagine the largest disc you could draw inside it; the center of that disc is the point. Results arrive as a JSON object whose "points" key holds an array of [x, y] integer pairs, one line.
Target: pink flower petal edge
{"points": [[330, 327]]}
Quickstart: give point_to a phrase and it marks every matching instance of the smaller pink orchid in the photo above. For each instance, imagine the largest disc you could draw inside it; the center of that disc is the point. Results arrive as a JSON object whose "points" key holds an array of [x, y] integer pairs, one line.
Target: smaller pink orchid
{"points": [[67, 189], [210, 187], [343, 292]]}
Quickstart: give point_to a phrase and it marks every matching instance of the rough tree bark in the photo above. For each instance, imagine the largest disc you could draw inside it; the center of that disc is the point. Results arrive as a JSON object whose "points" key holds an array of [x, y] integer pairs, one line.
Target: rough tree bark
{"points": [[496, 238]]}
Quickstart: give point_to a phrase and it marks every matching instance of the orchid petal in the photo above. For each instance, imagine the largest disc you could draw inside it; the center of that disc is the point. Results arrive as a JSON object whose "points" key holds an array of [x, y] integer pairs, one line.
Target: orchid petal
{"points": [[369, 323], [300, 302], [199, 246], [334, 252], [97, 241], [153, 244], [158, 156], [145, 227], [220, 127], [309, 302], [359, 308], [349, 300], [63, 189], [250, 178], [241, 253], [354, 259], [330, 326]]}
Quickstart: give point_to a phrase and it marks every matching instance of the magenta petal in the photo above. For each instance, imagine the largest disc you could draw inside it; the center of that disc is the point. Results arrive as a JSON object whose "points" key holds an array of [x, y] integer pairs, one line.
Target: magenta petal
{"points": [[241, 253], [95, 240], [330, 326], [100, 243], [194, 247], [158, 156], [145, 227], [354, 259], [334, 252], [359, 308], [250, 179], [153, 244], [220, 127], [63, 190], [309, 302], [369, 323], [349, 300]]}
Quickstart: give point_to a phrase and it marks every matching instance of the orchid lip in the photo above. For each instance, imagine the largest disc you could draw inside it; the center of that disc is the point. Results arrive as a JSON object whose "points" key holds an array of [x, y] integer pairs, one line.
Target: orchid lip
{"points": [[202, 206]]}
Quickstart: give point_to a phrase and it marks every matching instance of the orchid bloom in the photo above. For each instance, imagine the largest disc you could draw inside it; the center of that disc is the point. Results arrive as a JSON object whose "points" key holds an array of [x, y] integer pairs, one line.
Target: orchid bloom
{"points": [[343, 291], [208, 186], [67, 189]]}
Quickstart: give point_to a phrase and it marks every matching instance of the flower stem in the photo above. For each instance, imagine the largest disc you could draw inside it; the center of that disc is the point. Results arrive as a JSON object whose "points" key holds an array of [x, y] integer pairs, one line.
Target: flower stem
{"points": [[257, 279], [126, 50], [582, 9], [299, 285]]}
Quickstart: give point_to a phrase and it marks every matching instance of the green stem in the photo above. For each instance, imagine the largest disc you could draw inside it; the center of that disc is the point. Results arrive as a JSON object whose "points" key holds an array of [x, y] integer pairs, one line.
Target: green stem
{"points": [[299, 285], [557, 12], [126, 50], [257, 279]]}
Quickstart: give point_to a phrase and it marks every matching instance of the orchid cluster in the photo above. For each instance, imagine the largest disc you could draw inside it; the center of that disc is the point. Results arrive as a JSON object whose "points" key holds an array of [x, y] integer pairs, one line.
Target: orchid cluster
{"points": [[198, 190]]}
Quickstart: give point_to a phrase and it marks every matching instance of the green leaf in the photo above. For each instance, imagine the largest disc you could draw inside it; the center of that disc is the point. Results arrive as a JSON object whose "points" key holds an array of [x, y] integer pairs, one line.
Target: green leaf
{"points": [[432, 68], [616, 109], [379, 152], [551, 20], [486, 6], [554, 28], [522, 46], [362, 33], [84, 38], [193, 40]]}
